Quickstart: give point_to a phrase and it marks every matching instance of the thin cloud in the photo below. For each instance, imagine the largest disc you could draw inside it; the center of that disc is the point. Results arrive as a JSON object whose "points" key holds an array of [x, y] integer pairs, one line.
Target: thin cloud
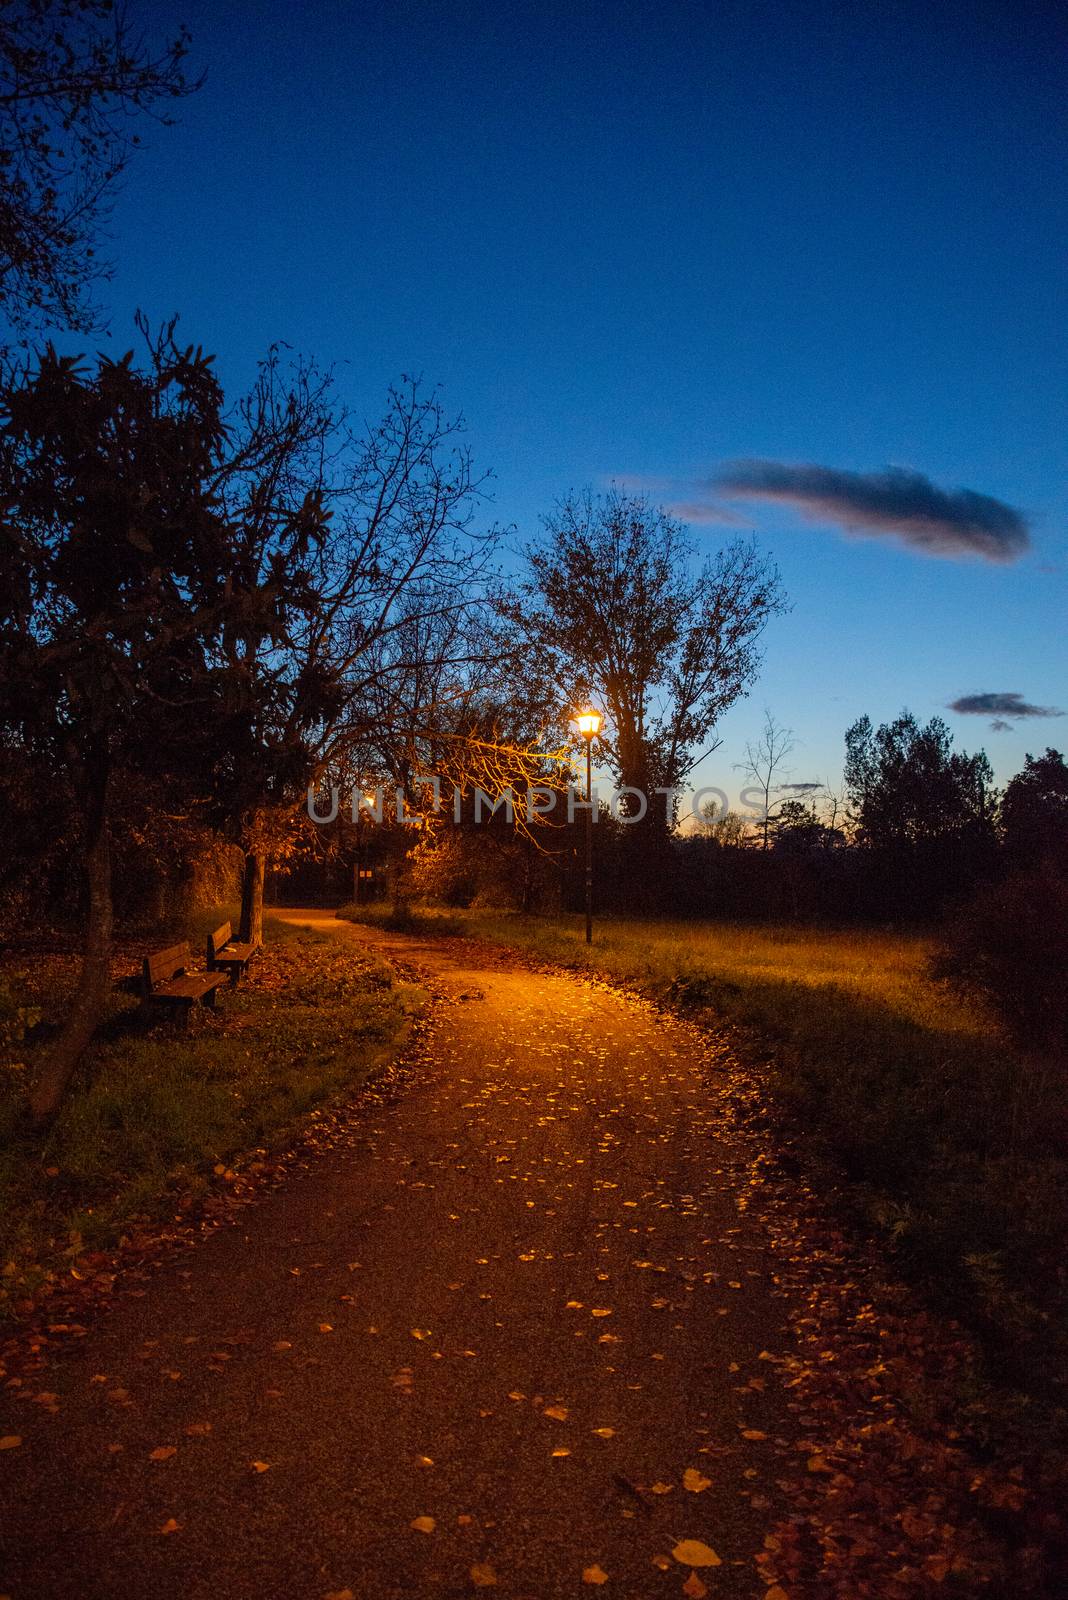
{"points": [[898, 503], [999, 725], [1000, 706], [705, 514]]}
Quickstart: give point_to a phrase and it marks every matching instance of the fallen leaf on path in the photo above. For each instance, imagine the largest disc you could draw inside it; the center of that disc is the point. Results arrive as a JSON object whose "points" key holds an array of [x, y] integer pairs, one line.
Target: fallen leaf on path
{"points": [[594, 1574], [281, 1344], [604, 1433], [325, 1327], [170, 1526], [694, 1588], [424, 1461], [198, 1430], [559, 1413], [662, 1563], [661, 1488], [420, 1333], [600, 1311], [692, 1553], [753, 1433], [483, 1575], [10, 1441], [162, 1452], [340, 1594], [423, 1524], [692, 1480], [776, 1592], [561, 1450], [260, 1466]]}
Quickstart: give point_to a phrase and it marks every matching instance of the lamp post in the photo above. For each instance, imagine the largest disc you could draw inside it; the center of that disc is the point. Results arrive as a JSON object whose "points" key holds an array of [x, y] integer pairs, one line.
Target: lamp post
{"points": [[589, 725], [357, 871]]}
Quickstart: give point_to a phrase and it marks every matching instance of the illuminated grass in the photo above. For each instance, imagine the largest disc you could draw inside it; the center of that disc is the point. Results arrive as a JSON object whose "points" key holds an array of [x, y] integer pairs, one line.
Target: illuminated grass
{"points": [[154, 1112], [950, 1142]]}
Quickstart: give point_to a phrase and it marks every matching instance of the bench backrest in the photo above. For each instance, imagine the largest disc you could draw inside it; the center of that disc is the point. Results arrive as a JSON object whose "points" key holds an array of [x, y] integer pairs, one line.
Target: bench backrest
{"points": [[163, 966], [217, 940]]}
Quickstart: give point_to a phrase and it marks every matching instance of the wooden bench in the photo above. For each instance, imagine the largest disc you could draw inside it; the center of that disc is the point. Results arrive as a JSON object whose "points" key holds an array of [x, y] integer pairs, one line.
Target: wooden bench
{"points": [[167, 981], [227, 954]]}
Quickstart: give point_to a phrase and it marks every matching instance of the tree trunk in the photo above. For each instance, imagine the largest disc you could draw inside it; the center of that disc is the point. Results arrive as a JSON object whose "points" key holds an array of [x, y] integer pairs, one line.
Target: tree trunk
{"points": [[94, 982], [251, 930]]}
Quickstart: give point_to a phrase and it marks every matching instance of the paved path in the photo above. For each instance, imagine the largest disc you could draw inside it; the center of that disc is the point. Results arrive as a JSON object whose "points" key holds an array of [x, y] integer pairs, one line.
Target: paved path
{"points": [[519, 1301]]}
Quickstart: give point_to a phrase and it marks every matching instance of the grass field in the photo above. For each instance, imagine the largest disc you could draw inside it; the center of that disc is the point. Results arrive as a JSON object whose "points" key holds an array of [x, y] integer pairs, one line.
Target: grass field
{"points": [[152, 1113], [951, 1144]]}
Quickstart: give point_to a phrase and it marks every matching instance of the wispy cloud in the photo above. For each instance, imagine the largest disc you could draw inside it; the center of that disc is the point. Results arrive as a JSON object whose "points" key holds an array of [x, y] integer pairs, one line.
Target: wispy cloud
{"points": [[706, 513], [895, 502], [1007, 708]]}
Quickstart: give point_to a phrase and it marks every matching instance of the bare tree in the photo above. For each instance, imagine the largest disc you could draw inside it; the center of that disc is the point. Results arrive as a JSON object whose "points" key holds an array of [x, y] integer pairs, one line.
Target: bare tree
{"points": [[617, 608], [763, 763], [74, 76]]}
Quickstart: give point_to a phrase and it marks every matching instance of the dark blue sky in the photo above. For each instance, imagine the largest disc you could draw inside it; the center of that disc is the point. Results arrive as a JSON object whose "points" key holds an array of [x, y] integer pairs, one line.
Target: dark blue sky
{"points": [[639, 240]]}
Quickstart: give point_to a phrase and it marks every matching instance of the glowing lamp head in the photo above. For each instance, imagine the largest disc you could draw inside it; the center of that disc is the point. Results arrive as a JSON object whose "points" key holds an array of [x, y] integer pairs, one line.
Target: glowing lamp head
{"points": [[588, 723]]}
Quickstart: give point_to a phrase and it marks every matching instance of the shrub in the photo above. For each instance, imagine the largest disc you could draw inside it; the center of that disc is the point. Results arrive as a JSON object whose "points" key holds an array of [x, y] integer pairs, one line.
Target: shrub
{"points": [[1010, 945]]}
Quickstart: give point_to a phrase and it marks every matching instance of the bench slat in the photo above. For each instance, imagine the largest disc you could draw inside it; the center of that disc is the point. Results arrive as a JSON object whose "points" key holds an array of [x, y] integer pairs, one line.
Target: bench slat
{"points": [[163, 965], [189, 987]]}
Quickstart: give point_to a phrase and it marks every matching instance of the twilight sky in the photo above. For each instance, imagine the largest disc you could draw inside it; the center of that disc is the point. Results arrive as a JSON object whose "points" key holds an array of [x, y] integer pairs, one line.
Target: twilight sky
{"points": [[800, 268]]}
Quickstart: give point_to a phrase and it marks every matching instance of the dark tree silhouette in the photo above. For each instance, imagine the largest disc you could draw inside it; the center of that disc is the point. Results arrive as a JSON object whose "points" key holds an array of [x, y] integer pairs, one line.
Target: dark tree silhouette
{"points": [[74, 77], [113, 565], [906, 784], [1034, 811]]}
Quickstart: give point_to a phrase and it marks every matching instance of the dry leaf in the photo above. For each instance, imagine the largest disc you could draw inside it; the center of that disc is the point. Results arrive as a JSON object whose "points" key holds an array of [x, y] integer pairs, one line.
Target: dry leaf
{"points": [[170, 1526], [661, 1488], [561, 1450], [600, 1312], [282, 1344], [424, 1461], [10, 1441], [483, 1575], [694, 1588], [162, 1452], [776, 1592], [325, 1327], [340, 1594], [692, 1553], [197, 1430], [559, 1413], [692, 1480], [261, 1466], [604, 1433], [753, 1433], [594, 1574], [420, 1333], [662, 1563], [423, 1524], [818, 1464]]}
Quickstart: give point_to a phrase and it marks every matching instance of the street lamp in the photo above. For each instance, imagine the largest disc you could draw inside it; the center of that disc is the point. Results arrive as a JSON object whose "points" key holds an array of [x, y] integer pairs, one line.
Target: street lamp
{"points": [[588, 724], [357, 871]]}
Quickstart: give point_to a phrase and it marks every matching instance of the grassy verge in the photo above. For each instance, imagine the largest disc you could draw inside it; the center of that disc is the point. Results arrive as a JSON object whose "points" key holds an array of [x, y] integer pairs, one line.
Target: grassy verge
{"points": [[951, 1149], [154, 1111]]}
